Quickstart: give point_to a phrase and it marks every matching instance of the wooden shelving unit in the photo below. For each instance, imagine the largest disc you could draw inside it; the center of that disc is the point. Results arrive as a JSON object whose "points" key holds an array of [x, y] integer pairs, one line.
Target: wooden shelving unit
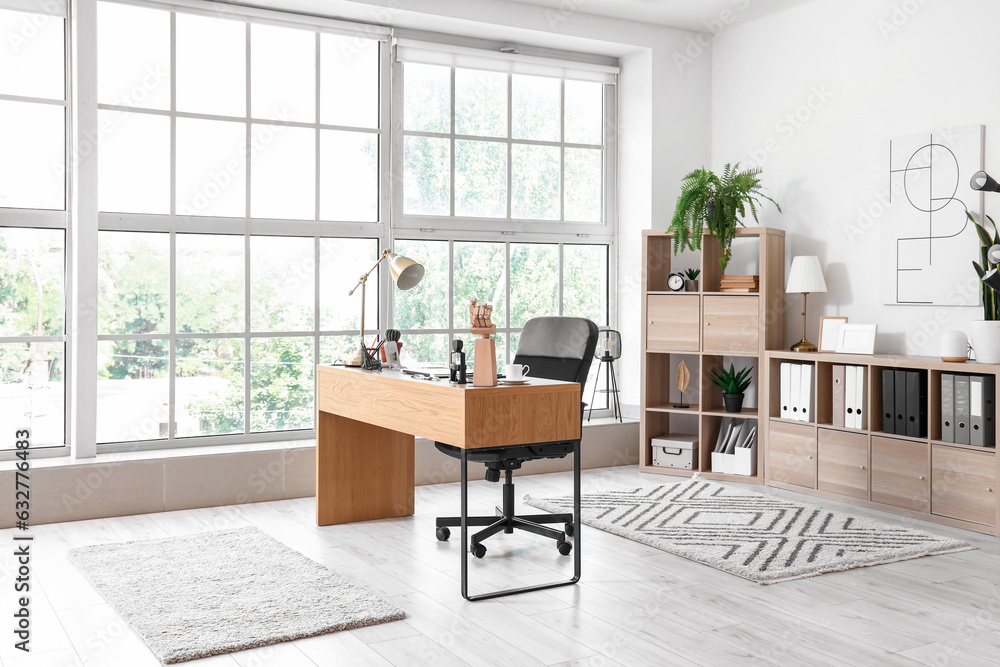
{"points": [[702, 328], [924, 478]]}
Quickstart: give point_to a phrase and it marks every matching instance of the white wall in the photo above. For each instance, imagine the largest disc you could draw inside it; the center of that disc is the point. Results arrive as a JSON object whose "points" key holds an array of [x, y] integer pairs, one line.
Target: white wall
{"points": [[871, 69]]}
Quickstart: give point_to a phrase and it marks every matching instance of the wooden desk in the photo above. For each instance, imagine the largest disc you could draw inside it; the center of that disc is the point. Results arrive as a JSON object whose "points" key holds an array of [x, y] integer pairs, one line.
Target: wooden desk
{"points": [[366, 422]]}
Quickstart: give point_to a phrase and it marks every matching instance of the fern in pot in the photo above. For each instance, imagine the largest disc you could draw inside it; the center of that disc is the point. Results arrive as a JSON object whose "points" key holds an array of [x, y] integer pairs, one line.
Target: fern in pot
{"points": [[718, 203], [733, 384]]}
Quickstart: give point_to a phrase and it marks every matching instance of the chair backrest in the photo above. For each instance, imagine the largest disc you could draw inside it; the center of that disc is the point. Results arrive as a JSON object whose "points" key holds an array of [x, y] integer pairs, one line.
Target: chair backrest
{"points": [[558, 348]]}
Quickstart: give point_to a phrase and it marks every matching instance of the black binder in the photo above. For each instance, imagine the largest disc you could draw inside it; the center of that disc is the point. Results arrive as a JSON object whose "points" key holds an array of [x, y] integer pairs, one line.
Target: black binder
{"points": [[900, 427], [916, 404], [888, 401]]}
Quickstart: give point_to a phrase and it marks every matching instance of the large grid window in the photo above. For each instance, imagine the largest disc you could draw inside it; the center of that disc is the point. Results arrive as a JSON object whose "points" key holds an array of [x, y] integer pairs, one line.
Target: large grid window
{"points": [[240, 191], [236, 170], [33, 225]]}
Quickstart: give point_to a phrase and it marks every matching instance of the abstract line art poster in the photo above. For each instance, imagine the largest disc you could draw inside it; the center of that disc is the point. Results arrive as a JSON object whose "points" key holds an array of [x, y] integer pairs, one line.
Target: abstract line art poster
{"points": [[928, 243]]}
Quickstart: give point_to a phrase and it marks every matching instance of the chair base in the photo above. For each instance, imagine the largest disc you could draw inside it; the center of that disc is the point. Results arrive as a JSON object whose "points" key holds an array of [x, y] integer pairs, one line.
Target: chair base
{"points": [[506, 521]]}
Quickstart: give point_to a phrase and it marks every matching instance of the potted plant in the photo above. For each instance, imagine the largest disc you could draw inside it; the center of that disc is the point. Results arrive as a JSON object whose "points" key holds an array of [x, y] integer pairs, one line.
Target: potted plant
{"points": [[691, 284], [986, 332], [733, 383], [716, 203]]}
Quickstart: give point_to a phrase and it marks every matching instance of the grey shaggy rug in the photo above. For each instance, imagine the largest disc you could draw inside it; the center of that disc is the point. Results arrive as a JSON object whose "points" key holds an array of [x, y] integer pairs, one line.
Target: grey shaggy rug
{"points": [[219, 592], [752, 535]]}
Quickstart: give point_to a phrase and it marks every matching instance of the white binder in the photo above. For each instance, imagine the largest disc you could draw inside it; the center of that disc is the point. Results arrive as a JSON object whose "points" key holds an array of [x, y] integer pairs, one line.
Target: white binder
{"points": [[786, 391], [795, 397], [859, 398], [850, 400], [805, 393]]}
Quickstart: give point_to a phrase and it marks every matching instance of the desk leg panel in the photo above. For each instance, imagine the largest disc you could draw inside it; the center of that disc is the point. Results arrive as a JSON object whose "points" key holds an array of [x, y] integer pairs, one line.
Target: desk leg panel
{"points": [[363, 472]]}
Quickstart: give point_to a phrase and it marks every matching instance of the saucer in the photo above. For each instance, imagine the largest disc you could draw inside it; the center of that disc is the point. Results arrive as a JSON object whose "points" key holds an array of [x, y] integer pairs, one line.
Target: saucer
{"points": [[514, 382]]}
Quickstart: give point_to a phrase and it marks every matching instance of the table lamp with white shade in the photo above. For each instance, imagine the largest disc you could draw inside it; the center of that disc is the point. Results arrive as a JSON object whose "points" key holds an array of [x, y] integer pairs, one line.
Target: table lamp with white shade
{"points": [[804, 277], [406, 273]]}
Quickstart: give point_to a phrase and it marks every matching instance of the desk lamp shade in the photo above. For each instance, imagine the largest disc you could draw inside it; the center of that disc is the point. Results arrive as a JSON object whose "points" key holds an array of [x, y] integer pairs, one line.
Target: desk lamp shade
{"points": [[609, 345], [405, 272], [983, 181], [804, 277]]}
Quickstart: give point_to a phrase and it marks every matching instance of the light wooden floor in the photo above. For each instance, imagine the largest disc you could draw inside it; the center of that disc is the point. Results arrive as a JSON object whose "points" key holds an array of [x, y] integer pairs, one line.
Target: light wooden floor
{"points": [[635, 606]]}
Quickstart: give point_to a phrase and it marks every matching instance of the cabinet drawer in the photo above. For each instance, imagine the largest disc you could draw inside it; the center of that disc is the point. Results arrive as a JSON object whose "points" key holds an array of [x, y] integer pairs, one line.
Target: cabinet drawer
{"points": [[672, 322], [791, 454], [901, 473], [731, 324], [963, 484], [843, 463]]}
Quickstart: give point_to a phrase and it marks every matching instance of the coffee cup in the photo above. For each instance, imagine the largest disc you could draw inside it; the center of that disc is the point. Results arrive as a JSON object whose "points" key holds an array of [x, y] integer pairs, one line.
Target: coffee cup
{"points": [[516, 372]]}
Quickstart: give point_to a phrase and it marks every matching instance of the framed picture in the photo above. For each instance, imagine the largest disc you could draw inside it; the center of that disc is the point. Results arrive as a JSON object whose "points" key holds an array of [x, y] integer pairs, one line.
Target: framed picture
{"points": [[829, 333], [856, 338]]}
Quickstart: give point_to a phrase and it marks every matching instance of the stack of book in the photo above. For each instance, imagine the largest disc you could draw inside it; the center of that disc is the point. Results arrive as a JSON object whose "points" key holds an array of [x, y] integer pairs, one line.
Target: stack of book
{"points": [[740, 284]]}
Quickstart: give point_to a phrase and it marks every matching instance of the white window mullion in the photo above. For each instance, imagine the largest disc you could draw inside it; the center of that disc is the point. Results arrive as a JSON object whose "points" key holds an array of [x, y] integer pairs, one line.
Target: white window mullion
{"points": [[172, 343], [247, 395], [451, 139], [83, 234]]}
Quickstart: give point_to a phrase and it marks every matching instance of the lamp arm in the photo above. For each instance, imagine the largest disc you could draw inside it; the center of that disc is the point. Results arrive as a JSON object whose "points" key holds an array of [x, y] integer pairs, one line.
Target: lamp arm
{"points": [[363, 278]]}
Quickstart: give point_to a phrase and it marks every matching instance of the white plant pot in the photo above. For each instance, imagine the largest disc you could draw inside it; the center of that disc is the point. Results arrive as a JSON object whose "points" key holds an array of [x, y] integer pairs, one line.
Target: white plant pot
{"points": [[986, 341]]}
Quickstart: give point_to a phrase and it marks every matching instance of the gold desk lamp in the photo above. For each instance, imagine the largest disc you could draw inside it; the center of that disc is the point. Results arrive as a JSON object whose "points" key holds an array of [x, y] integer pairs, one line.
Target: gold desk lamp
{"points": [[405, 272]]}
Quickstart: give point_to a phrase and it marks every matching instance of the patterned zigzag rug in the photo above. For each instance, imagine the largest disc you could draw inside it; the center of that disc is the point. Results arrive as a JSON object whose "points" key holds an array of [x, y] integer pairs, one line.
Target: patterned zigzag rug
{"points": [[752, 535]]}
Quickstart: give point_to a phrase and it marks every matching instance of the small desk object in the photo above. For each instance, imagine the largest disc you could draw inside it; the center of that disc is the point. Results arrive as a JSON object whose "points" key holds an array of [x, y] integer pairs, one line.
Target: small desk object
{"points": [[365, 427]]}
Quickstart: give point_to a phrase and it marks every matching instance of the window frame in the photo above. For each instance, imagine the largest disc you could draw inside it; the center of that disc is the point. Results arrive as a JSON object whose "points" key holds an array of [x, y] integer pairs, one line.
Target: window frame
{"points": [[248, 226], [51, 219], [451, 224], [82, 222]]}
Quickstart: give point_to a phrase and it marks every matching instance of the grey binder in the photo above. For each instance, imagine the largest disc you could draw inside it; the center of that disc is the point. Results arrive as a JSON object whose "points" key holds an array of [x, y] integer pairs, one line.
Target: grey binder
{"points": [[962, 410], [916, 404], [888, 401], [947, 407], [900, 427], [981, 399]]}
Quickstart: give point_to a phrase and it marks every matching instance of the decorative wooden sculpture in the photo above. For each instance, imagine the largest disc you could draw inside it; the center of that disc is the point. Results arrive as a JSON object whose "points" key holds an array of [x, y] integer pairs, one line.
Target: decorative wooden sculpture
{"points": [[683, 380], [481, 320]]}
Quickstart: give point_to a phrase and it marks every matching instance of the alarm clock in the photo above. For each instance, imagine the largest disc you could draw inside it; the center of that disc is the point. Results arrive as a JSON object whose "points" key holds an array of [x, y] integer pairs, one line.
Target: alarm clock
{"points": [[675, 281]]}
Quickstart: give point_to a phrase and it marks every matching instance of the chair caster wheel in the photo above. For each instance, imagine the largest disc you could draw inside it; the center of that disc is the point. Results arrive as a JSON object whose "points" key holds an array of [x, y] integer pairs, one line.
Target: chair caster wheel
{"points": [[479, 551], [569, 529], [443, 533], [564, 548]]}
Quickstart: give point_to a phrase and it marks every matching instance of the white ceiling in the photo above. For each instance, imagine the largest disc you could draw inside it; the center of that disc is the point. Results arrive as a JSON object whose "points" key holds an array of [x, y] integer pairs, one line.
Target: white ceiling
{"points": [[689, 14]]}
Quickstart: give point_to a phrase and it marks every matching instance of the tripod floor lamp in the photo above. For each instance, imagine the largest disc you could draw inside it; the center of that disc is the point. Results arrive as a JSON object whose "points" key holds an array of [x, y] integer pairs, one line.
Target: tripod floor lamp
{"points": [[406, 273]]}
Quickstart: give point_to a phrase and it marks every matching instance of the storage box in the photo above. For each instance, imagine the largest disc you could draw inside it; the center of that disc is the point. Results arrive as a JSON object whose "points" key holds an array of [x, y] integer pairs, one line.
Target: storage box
{"points": [[675, 450]]}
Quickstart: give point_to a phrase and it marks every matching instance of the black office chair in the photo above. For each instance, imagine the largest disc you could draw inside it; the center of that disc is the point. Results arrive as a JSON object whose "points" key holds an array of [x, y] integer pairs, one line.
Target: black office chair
{"points": [[556, 348]]}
